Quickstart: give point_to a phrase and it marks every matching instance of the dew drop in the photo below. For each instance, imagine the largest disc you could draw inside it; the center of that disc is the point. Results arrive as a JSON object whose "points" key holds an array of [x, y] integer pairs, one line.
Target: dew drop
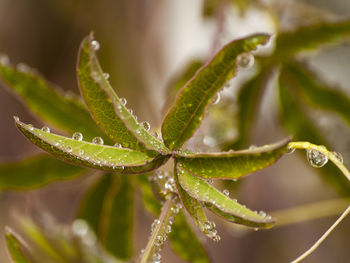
{"points": [[156, 135], [95, 45], [96, 76], [339, 156], [256, 228], [290, 150], [315, 158], [245, 60], [117, 145], [30, 127], [81, 152], [106, 75], [21, 67], [217, 98], [216, 238], [130, 111], [209, 225], [97, 140], [80, 227], [16, 118], [156, 258], [209, 141], [123, 101], [45, 129], [69, 149], [146, 125], [252, 147], [4, 60], [226, 192], [77, 136]]}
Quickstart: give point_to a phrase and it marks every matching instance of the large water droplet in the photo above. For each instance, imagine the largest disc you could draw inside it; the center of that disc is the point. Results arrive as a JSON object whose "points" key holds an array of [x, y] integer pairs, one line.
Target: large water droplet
{"points": [[339, 156], [123, 101], [245, 60], [217, 98], [77, 136], [146, 125], [315, 158], [95, 45], [117, 145], [97, 140], [45, 129]]}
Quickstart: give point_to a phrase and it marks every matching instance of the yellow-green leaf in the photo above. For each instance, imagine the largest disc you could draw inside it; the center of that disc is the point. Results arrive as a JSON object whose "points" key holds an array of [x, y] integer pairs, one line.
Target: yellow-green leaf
{"points": [[15, 248]]}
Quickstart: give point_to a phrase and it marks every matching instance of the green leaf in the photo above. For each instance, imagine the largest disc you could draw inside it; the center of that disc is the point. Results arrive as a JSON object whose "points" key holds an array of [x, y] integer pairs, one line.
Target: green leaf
{"points": [[15, 247], [309, 37], [106, 107], [233, 164], [248, 102], [316, 92], [193, 206], [103, 157], [36, 171], [297, 123], [52, 106], [186, 114], [185, 243], [229, 209], [108, 208]]}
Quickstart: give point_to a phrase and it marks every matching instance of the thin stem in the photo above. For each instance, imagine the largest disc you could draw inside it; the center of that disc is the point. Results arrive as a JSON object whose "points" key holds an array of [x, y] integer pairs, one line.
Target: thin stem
{"points": [[323, 237]]}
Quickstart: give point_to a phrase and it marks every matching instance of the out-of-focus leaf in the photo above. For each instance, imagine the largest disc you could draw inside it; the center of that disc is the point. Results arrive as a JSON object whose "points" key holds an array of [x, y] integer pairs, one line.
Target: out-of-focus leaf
{"points": [[108, 208], [35, 172], [235, 164], [193, 206], [229, 208], [107, 108], [309, 37], [315, 92], [15, 248], [185, 116], [248, 102], [103, 157], [64, 112], [297, 123], [185, 243]]}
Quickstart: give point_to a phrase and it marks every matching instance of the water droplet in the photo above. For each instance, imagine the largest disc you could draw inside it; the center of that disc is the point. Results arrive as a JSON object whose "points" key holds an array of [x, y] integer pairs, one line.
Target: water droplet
{"points": [[156, 257], [16, 118], [21, 67], [209, 141], [262, 213], [123, 101], [77, 136], [106, 75], [117, 145], [245, 60], [209, 225], [97, 140], [252, 147], [226, 192], [4, 60], [290, 149], [339, 156], [96, 76], [95, 45], [256, 228], [130, 111], [216, 238], [146, 125], [156, 135], [81, 152], [217, 98], [159, 240], [69, 149], [167, 229], [315, 158], [30, 127], [80, 227], [45, 129]]}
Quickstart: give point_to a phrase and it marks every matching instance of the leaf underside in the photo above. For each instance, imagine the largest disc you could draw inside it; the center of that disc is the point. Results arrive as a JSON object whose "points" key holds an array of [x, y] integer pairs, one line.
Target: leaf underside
{"points": [[106, 107], [235, 164], [103, 157], [185, 116], [229, 209]]}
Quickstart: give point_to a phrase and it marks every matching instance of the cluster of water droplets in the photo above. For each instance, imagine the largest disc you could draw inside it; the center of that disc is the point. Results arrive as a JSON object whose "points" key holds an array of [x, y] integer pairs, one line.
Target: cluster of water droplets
{"points": [[211, 232], [165, 182]]}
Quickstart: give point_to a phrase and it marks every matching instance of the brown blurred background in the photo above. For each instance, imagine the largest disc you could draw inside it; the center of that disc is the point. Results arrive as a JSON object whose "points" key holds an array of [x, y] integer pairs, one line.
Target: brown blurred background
{"points": [[143, 44]]}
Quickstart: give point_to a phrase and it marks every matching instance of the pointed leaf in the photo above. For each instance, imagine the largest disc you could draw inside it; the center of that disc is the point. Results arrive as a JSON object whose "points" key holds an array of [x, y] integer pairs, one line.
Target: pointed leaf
{"points": [[316, 92], [233, 164], [36, 171], [248, 102], [204, 192], [309, 37], [108, 208], [106, 107], [297, 123], [185, 243], [15, 248], [186, 114], [103, 157], [52, 106]]}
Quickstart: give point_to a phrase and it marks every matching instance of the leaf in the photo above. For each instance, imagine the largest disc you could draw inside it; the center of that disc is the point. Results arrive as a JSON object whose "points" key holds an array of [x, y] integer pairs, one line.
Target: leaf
{"points": [[108, 208], [185, 116], [15, 247], [185, 243], [297, 123], [64, 112], [103, 157], [36, 171], [193, 206], [248, 102], [229, 209], [232, 164], [309, 37], [316, 92], [106, 107]]}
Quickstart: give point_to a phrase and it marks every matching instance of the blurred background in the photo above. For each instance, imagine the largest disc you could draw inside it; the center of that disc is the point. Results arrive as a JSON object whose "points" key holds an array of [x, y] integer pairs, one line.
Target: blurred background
{"points": [[144, 45]]}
